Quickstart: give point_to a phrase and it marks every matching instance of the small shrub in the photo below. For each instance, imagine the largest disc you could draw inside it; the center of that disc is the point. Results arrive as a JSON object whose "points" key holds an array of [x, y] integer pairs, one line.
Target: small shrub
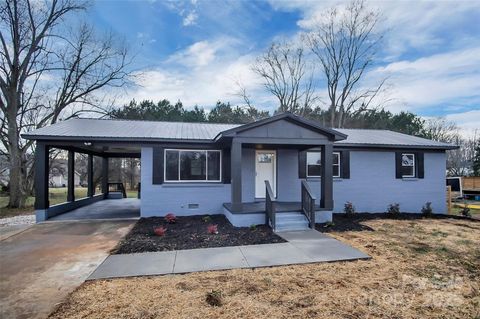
{"points": [[160, 231], [427, 209], [253, 227], [214, 298], [349, 209], [206, 219], [393, 209], [171, 218], [465, 211], [329, 224], [212, 229]]}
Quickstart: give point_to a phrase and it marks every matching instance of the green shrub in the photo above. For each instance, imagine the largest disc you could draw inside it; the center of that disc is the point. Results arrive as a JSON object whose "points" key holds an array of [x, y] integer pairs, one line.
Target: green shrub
{"points": [[393, 208], [465, 211], [253, 227], [427, 209], [348, 208], [214, 298], [329, 224]]}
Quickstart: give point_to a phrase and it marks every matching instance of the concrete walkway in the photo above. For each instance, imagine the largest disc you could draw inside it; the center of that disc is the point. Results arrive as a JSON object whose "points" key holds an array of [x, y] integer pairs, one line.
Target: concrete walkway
{"points": [[41, 265], [302, 247], [105, 209]]}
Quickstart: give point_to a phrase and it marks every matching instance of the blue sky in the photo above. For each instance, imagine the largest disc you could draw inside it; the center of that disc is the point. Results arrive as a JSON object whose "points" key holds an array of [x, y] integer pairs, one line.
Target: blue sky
{"points": [[197, 51]]}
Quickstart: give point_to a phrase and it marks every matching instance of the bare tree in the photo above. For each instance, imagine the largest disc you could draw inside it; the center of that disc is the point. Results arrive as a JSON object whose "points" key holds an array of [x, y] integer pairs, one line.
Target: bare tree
{"points": [[460, 161], [345, 42], [286, 75], [439, 129], [47, 74]]}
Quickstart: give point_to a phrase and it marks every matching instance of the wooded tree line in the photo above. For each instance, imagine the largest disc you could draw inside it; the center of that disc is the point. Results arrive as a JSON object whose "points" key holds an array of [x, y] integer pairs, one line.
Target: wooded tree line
{"points": [[460, 162]]}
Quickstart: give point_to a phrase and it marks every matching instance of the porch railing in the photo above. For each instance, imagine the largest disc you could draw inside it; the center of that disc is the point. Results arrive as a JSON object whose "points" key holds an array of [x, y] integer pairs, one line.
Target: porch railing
{"points": [[308, 204], [270, 205], [117, 187]]}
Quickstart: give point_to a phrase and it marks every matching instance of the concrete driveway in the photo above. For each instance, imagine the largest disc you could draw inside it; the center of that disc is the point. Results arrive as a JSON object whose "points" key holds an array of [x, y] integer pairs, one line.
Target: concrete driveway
{"points": [[40, 266]]}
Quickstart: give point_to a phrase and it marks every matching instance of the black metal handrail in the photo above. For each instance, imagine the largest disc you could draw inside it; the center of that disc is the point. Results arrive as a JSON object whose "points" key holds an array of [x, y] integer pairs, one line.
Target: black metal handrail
{"points": [[308, 204], [270, 205]]}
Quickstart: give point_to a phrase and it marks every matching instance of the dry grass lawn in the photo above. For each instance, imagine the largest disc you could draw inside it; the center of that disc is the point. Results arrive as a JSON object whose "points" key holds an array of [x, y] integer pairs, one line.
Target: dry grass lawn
{"points": [[425, 268]]}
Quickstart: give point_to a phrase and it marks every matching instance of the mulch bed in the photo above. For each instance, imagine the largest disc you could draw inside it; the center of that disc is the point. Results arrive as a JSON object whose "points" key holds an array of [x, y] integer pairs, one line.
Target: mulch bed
{"points": [[190, 232], [353, 222]]}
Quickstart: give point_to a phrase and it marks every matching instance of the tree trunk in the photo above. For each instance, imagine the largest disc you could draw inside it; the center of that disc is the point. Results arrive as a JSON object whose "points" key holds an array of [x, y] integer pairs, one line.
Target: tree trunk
{"points": [[340, 117], [17, 188], [332, 115]]}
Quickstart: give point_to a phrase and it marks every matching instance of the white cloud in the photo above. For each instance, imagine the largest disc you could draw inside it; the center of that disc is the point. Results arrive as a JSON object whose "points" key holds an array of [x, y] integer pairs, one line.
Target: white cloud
{"points": [[198, 54], [468, 122], [447, 78], [201, 74], [419, 24], [190, 18]]}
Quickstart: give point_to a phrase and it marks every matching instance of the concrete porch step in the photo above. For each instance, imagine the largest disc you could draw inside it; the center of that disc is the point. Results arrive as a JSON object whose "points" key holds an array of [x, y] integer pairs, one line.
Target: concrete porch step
{"points": [[291, 221]]}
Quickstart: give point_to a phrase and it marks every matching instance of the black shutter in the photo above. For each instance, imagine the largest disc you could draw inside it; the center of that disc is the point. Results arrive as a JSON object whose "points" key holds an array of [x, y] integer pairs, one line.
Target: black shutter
{"points": [[226, 166], [157, 162], [345, 164], [302, 164], [420, 165], [398, 164]]}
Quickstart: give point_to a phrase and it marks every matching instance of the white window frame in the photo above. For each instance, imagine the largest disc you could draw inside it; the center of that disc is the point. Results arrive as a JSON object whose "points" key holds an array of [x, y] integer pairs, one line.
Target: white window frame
{"points": [[306, 163], [206, 180], [413, 166], [339, 165]]}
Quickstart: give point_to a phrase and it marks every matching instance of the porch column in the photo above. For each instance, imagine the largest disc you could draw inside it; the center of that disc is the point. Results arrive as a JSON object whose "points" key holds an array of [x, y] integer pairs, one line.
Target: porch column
{"points": [[91, 188], [71, 177], [105, 176], [326, 196], [236, 175], [41, 180]]}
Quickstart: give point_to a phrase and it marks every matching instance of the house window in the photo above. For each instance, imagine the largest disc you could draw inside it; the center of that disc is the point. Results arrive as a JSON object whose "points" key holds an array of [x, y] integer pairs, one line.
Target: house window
{"points": [[408, 165], [192, 166], [336, 164], [314, 164]]}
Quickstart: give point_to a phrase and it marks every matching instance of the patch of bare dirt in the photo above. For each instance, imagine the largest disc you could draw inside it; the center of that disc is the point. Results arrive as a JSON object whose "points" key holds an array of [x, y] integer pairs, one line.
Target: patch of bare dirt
{"points": [[421, 268]]}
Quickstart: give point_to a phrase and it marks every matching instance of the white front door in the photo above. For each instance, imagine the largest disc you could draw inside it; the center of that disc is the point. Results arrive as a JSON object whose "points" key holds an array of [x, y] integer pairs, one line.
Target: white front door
{"points": [[265, 170]]}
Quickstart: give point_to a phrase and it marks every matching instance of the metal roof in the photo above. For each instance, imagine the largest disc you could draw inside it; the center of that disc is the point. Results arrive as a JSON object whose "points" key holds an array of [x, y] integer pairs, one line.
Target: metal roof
{"points": [[139, 131], [129, 130], [365, 137]]}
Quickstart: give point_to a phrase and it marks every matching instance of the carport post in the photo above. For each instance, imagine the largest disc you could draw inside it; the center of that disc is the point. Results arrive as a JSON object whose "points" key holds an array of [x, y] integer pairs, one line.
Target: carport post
{"points": [[326, 196], [105, 176], [71, 177], [41, 177], [90, 189], [236, 175]]}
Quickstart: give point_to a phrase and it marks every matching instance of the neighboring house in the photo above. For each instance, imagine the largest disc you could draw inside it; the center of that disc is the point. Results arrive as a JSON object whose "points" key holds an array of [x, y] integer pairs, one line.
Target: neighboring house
{"points": [[57, 179], [204, 168]]}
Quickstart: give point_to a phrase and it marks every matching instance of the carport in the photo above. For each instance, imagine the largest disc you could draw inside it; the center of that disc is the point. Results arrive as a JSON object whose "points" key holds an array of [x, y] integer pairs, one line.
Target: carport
{"points": [[80, 139]]}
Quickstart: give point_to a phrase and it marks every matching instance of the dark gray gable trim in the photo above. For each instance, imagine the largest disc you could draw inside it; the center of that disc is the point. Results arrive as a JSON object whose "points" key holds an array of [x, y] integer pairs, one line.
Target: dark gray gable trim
{"points": [[335, 135]]}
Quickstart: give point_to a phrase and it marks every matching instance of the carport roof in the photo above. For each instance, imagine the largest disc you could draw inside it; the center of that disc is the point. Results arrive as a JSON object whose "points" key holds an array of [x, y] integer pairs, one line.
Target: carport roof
{"points": [[82, 129]]}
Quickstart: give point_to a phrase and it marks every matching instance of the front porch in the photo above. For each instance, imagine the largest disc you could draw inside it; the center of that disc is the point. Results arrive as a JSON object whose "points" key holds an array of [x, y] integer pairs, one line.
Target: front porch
{"points": [[259, 207]]}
